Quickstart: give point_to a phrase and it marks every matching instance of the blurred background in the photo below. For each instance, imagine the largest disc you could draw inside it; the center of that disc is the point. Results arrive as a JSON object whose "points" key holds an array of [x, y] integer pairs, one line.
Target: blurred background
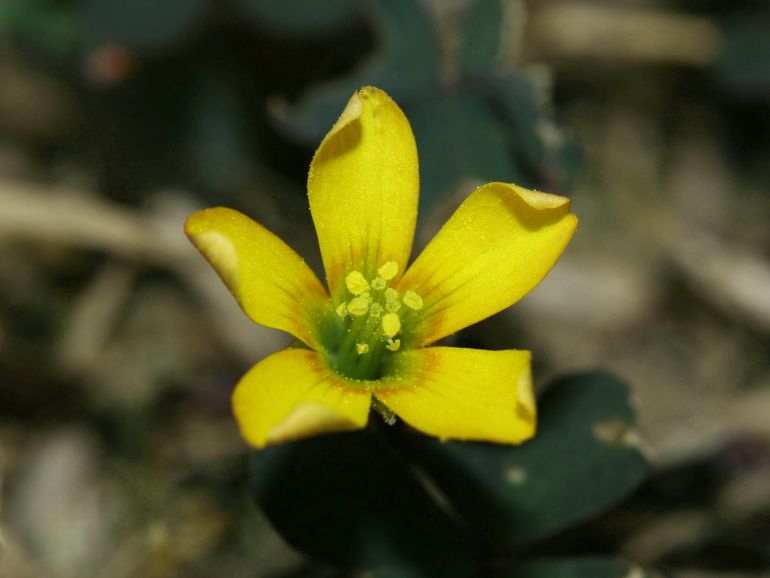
{"points": [[119, 346]]}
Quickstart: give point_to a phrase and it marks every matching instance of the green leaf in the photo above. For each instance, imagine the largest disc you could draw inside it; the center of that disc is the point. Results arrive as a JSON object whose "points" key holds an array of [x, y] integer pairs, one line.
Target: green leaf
{"points": [[350, 499], [540, 146], [390, 496], [302, 17], [220, 134], [141, 24], [743, 64], [55, 27], [459, 138], [584, 459], [516, 99], [404, 64], [574, 568], [483, 34]]}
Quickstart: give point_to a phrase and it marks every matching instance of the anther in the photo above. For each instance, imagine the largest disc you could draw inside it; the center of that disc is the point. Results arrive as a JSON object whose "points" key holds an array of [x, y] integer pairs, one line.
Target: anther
{"points": [[391, 324], [392, 303], [362, 348], [342, 310], [376, 310], [378, 283], [359, 305], [393, 344], [388, 270], [413, 300], [356, 283]]}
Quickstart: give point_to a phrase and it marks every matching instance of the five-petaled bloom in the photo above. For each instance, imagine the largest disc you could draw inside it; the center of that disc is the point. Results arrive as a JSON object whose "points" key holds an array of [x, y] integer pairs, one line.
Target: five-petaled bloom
{"points": [[365, 341]]}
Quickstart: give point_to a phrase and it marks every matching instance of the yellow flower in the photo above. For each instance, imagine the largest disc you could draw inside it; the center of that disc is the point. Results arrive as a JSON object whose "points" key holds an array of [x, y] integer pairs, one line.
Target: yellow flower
{"points": [[365, 340]]}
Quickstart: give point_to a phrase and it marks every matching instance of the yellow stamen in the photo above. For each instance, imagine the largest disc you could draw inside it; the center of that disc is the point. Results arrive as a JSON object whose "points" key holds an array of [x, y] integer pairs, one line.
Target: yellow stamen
{"points": [[413, 300], [391, 324], [362, 348], [392, 303], [379, 283], [393, 344], [359, 305], [356, 283], [342, 310], [376, 310], [388, 270]]}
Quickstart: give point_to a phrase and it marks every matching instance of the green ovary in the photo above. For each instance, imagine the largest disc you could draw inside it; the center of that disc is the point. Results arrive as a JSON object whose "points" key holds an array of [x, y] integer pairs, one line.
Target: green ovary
{"points": [[367, 326]]}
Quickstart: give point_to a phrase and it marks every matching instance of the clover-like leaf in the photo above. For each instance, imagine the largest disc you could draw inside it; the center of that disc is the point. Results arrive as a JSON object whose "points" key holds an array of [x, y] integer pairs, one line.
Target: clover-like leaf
{"points": [[481, 41], [390, 495], [460, 138], [351, 499], [585, 457], [404, 63]]}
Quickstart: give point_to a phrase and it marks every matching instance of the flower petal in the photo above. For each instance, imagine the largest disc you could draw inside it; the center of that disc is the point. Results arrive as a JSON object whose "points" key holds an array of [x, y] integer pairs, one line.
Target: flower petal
{"points": [[363, 187], [291, 395], [271, 282], [465, 394], [497, 246]]}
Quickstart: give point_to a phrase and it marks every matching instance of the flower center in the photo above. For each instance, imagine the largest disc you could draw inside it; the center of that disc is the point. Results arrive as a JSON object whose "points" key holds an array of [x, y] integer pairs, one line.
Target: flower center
{"points": [[370, 323]]}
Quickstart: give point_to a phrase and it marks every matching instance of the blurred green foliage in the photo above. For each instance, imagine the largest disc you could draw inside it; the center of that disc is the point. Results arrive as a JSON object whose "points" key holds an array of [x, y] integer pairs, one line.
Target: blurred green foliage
{"points": [[472, 120], [141, 24], [46, 24], [144, 65], [743, 65]]}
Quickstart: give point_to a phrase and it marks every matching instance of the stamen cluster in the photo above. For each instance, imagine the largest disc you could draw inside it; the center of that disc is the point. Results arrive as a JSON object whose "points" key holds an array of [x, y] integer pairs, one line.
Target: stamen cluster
{"points": [[372, 321]]}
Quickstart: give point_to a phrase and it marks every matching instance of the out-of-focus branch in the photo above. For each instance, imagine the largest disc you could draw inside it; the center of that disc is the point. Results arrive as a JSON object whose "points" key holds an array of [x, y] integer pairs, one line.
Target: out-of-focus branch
{"points": [[80, 221], [732, 279], [570, 30], [68, 217], [14, 559]]}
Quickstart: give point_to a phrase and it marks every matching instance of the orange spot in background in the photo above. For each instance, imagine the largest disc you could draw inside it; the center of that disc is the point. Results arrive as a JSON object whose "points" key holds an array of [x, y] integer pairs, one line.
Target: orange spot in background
{"points": [[111, 64]]}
